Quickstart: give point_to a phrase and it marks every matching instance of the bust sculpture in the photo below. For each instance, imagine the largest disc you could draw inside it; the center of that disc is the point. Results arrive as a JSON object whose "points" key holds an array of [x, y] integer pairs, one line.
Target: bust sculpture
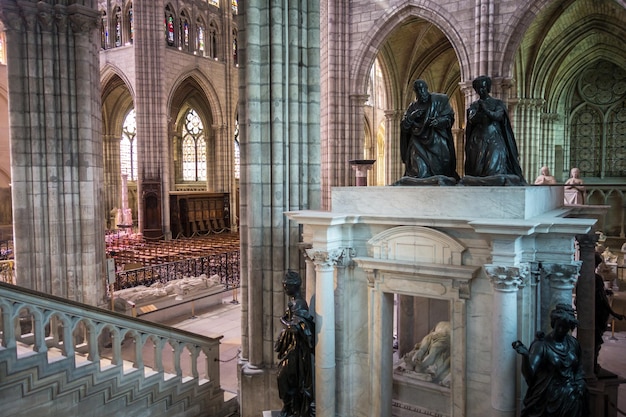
{"points": [[295, 347], [491, 156], [426, 142], [553, 370]]}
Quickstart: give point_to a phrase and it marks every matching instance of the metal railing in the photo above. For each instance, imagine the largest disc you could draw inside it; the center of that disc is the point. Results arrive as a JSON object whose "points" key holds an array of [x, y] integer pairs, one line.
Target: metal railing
{"points": [[225, 265]]}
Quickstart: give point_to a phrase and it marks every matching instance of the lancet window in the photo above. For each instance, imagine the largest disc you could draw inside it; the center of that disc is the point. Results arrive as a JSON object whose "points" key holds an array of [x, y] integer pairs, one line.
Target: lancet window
{"points": [[237, 152], [212, 52], [118, 26], [170, 32], [128, 147], [194, 150], [184, 32], [104, 30], [235, 50], [130, 23], [200, 42]]}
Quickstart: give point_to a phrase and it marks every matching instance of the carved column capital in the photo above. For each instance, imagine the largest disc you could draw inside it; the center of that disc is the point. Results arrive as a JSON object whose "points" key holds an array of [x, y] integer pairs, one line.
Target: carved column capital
{"points": [[45, 16], [60, 15], [504, 278], [330, 258], [562, 276], [393, 114], [12, 18], [83, 19]]}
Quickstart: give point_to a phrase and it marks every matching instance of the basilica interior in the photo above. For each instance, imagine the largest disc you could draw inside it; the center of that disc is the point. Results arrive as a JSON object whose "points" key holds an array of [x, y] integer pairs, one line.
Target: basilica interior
{"points": [[191, 149]]}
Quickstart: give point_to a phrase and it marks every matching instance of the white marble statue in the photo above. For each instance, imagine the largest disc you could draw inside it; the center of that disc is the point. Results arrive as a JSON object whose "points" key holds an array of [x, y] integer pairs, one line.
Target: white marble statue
{"points": [[430, 359], [181, 287]]}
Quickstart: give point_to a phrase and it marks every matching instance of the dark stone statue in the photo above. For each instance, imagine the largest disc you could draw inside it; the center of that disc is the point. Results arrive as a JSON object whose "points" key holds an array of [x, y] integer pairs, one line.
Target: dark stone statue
{"points": [[295, 347], [426, 142], [553, 370], [603, 311], [491, 156]]}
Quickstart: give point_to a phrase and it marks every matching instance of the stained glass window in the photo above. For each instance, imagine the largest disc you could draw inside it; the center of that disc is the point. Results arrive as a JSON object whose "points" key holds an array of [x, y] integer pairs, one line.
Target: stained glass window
{"points": [[118, 27], [131, 25], [235, 47], [169, 26], [128, 147], [194, 148], [3, 54], [200, 37], [237, 152], [104, 31], [235, 6], [184, 32]]}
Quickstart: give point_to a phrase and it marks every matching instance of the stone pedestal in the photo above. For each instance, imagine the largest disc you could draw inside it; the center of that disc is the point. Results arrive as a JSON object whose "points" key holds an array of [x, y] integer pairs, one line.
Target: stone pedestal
{"points": [[469, 248]]}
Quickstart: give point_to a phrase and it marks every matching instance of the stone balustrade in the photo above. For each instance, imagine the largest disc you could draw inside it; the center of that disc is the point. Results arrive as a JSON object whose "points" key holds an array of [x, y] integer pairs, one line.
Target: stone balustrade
{"points": [[50, 329]]}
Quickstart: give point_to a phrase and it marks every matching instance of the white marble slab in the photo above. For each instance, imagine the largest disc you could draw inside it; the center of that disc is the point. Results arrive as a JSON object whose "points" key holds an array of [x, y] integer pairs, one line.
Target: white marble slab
{"points": [[448, 202]]}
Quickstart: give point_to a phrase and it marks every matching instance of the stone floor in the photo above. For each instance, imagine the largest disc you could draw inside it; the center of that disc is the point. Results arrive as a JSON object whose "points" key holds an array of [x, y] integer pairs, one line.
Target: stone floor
{"points": [[223, 319]]}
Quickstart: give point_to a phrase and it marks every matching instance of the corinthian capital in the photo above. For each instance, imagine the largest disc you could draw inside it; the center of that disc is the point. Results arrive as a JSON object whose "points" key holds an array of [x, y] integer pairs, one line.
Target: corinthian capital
{"points": [[562, 276], [504, 278], [331, 258]]}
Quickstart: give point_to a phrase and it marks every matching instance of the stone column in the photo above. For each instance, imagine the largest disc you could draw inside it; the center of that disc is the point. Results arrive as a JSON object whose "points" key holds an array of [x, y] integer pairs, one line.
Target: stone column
{"points": [[56, 147], [586, 302], [325, 367], [562, 279], [394, 168], [506, 281], [112, 175], [525, 114], [381, 350], [150, 106]]}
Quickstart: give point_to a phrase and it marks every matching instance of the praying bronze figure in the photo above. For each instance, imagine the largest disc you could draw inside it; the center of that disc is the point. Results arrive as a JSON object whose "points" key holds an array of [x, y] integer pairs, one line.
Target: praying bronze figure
{"points": [[295, 347]]}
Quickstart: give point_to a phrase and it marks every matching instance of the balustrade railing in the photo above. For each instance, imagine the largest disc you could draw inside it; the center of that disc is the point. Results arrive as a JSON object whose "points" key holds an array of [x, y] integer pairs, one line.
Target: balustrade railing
{"points": [[33, 322], [614, 196]]}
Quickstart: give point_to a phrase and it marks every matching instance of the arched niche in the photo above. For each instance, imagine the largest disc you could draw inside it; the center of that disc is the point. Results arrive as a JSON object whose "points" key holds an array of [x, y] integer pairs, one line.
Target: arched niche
{"points": [[424, 263]]}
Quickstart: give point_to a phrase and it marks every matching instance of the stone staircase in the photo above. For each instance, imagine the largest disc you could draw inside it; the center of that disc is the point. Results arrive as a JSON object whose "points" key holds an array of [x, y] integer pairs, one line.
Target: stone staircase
{"points": [[59, 357]]}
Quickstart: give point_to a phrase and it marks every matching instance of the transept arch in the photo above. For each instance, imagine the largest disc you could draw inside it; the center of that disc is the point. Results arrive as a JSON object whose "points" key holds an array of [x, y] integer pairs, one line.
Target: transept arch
{"points": [[117, 100], [193, 91], [411, 43], [374, 39]]}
